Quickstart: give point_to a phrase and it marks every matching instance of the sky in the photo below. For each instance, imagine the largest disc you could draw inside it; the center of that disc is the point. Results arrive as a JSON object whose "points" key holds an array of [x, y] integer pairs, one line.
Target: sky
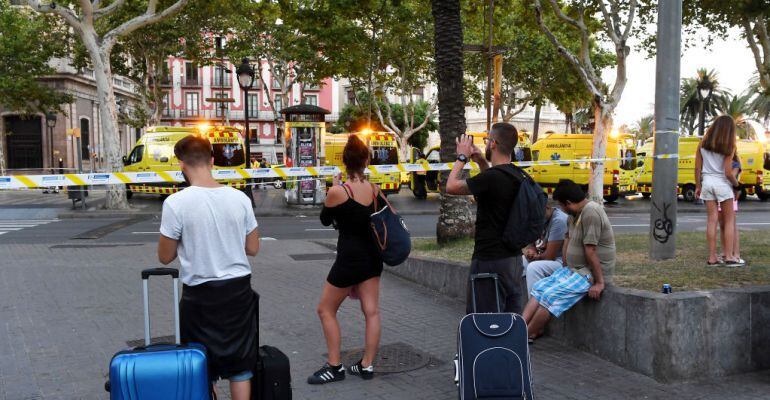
{"points": [[729, 56]]}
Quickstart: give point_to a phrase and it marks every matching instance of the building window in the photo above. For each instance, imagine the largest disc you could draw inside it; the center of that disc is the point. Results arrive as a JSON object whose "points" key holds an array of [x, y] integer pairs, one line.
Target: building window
{"points": [[278, 135], [191, 74], [278, 103], [310, 99], [221, 107], [221, 77], [166, 105], [253, 105], [350, 95], [254, 135], [192, 104], [276, 84], [312, 86], [85, 139]]}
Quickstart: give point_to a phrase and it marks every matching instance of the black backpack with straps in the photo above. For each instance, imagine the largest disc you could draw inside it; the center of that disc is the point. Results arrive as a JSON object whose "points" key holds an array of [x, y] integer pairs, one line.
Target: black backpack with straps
{"points": [[527, 218]]}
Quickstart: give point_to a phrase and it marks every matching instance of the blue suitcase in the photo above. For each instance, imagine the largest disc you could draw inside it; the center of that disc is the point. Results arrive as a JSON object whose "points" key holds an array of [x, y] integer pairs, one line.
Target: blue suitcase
{"points": [[160, 371], [493, 357]]}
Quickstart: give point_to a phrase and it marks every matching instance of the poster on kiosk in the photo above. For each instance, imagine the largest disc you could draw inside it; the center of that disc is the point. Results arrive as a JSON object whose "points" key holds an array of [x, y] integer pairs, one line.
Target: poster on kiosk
{"points": [[304, 128]]}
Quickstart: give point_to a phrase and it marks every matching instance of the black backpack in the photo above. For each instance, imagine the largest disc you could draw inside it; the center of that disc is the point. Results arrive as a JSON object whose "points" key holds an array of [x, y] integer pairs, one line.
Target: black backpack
{"points": [[527, 219]]}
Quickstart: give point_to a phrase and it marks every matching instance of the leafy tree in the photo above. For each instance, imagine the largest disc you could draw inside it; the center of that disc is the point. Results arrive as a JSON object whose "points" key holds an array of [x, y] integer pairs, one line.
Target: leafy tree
{"points": [[533, 72], [760, 103], [739, 107], [751, 17], [454, 221], [691, 101], [380, 47], [99, 41], [616, 22], [644, 128], [354, 117], [27, 43]]}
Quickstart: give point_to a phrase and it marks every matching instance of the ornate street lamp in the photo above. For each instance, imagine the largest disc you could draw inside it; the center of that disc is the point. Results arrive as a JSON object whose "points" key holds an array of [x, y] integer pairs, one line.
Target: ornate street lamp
{"points": [[705, 88], [245, 74], [50, 123]]}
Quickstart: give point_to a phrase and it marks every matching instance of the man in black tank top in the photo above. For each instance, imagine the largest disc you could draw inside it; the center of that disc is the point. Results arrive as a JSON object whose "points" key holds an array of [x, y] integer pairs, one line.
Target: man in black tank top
{"points": [[495, 191]]}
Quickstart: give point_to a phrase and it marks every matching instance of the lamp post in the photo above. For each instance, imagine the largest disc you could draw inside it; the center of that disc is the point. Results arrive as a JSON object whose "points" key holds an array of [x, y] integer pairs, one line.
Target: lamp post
{"points": [[245, 74], [705, 88], [50, 123]]}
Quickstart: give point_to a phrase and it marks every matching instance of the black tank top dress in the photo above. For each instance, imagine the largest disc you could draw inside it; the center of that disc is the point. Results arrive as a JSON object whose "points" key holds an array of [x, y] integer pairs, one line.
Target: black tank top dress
{"points": [[358, 258]]}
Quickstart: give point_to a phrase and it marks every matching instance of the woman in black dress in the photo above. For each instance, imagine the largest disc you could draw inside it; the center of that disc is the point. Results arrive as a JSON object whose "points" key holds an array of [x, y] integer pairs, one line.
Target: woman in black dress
{"points": [[358, 265]]}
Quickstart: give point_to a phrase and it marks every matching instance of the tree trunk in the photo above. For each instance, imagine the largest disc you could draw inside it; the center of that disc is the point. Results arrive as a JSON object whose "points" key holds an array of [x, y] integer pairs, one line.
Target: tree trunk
{"points": [[602, 124], [454, 220], [536, 128], [568, 123], [116, 194]]}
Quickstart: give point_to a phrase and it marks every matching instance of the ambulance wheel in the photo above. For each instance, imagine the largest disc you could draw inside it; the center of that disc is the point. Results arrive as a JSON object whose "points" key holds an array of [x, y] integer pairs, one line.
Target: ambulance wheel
{"points": [[763, 196], [129, 194], [646, 195], [278, 184], [688, 192], [611, 198]]}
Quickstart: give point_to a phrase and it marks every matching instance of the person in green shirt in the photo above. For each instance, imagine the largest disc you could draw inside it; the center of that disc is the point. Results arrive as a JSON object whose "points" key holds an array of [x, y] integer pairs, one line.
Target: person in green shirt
{"points": [[589, 251]]}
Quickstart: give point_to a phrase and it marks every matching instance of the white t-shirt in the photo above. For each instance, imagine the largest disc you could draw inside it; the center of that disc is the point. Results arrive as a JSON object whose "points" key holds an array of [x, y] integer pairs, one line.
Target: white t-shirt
{"points": [[211, 225]]}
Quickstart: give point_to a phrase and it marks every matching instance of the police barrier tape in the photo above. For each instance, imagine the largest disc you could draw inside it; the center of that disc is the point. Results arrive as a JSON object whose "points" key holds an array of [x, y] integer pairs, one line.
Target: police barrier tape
{"points": [[112, 178]]}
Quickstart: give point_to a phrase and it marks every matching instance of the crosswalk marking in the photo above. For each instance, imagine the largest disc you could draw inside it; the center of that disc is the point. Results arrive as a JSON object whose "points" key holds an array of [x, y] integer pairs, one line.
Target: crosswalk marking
{"points": [[12, 225]]}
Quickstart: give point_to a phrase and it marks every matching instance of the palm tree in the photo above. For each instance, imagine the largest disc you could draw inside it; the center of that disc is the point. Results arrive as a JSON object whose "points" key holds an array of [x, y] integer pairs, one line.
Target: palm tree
{"points": [[760, 104], [691, 102], [454, 221], [740, 108], [644, 127]]}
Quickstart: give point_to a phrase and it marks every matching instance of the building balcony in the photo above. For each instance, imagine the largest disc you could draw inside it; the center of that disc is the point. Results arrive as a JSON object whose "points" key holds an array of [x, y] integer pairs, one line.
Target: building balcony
{"points": [[215, 83], [191, 82], [215, 115]]}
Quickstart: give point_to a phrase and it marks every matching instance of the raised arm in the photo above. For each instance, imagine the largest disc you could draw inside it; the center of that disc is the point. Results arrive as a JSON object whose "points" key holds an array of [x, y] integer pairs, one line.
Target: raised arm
{"points": [[455, 185]]}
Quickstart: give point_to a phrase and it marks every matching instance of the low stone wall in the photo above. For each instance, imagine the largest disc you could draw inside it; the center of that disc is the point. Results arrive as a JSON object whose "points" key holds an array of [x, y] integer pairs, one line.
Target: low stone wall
{"points": [[674, 337]]}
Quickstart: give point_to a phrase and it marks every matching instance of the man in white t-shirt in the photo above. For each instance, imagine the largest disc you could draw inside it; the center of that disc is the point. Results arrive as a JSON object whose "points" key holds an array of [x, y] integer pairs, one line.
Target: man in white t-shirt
{"points": [[211, 227]]}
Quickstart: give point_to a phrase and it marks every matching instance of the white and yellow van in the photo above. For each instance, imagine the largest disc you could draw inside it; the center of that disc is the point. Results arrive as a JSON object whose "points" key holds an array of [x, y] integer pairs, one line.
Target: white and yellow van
{"points": [[619, 172], [384, 147], [154, 152], [753, 163]]}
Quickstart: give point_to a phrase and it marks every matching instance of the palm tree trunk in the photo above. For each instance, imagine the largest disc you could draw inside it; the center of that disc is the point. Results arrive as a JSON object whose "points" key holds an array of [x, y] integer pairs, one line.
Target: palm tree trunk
{"points": [[454, 221]]}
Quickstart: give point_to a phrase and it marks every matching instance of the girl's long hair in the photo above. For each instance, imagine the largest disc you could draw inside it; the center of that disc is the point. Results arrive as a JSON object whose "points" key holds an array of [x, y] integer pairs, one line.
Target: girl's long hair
{"points": [[720, 136]]}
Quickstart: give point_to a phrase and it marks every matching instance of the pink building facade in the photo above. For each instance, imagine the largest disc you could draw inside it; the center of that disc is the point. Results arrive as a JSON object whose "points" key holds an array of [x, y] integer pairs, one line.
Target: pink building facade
{"points": [[188, 86]]}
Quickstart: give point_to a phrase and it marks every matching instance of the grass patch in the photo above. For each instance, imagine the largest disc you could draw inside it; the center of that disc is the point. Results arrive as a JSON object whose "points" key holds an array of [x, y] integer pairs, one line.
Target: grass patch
{"points": [[634, 269]]}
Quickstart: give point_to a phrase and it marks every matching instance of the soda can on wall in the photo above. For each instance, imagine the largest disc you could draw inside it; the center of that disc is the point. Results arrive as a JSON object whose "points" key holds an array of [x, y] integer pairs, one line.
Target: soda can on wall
{"points": [[666, 288]]}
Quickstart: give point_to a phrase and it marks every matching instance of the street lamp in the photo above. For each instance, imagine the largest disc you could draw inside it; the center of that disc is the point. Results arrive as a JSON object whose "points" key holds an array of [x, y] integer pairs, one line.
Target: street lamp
{"points": [[245, 74], [50, 123], [705, 88]]}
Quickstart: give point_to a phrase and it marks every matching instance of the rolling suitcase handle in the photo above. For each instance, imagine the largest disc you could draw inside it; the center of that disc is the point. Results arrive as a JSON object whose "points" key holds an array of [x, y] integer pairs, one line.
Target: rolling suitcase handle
{"points": [[496, 280], [146, 299]]}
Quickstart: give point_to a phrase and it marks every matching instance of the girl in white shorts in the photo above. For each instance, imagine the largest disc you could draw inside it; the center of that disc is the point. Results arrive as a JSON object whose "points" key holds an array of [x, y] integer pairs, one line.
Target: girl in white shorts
{"points": [[716, 184]]}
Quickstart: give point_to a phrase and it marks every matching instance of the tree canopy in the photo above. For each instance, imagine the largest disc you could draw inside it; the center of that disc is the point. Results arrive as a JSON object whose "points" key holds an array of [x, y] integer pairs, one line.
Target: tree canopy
{"points": [[28, 42]]}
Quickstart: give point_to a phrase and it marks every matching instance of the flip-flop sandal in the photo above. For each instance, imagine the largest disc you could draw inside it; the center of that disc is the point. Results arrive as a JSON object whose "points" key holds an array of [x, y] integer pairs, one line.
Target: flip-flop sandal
{"points": [[714, 264], [734, 263]]}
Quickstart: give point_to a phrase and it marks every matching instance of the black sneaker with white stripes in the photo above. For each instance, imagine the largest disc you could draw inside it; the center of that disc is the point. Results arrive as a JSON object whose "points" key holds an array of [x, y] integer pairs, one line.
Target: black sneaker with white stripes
{"points": [[365, 373], [327, 374]]}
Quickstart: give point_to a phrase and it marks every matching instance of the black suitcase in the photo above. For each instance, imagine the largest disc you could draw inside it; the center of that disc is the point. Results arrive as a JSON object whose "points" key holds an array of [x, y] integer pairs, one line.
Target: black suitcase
{"points": [[493, 353], [272, 377]]}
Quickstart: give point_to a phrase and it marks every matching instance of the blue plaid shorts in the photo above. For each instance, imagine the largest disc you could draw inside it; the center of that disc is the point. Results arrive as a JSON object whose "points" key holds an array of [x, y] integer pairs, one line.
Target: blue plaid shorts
{"points": [[560, 291]]}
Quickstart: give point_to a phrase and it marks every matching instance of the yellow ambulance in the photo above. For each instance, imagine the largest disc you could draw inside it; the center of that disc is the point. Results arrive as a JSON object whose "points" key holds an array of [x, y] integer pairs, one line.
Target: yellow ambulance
{"points": [[384, 147], [753, 163], [522, 153], [154, 152], [560, 149]]}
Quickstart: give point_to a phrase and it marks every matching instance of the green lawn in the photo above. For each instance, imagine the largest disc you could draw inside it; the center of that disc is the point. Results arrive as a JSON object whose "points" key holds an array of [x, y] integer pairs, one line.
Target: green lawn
{"points": [[634, 269]]}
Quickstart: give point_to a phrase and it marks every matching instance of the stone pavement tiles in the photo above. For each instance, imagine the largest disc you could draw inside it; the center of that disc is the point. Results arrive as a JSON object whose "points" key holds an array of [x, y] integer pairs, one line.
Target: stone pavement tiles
{"points": [[65, 309]]}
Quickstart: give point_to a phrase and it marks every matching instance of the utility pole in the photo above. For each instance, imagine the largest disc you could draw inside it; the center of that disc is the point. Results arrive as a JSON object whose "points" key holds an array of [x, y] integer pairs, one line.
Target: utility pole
{"points": [[664, 177]]}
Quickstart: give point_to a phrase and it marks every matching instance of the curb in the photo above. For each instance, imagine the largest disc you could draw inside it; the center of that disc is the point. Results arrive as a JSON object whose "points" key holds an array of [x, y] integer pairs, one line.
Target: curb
{"points": [[105, 214]]}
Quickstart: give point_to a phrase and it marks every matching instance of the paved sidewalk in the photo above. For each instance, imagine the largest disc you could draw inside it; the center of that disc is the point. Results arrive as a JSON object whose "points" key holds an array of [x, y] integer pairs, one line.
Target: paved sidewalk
{"points": [[65, 309]]}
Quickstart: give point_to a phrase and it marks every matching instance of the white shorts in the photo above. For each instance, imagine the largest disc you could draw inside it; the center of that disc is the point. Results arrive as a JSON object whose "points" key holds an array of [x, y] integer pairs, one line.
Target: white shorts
{"points": [[716, 189]]}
